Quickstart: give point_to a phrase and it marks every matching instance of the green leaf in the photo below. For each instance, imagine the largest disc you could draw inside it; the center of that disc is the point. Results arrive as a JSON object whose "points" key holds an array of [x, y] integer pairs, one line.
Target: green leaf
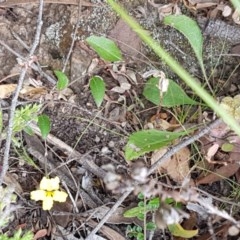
{"points": [[63, 81], [133, 212], [140, 196], [169, 201], [141, 216], [24, 115], [178, 231], [149, 140], [44, 125], [140, 236], [174, 96], [28, 130], [97, 86], [227, 147], [150, 226], [105, 48], [190, 29], [153, 204]]}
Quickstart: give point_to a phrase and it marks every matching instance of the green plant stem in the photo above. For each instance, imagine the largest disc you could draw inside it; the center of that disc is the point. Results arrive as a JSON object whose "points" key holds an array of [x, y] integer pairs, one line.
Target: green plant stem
{"points": [[236, 4], [176, 67]]}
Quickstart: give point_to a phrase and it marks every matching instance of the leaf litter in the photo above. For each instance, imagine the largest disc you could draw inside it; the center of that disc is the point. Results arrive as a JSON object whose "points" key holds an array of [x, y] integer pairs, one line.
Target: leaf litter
{"points": [[177, 167]]}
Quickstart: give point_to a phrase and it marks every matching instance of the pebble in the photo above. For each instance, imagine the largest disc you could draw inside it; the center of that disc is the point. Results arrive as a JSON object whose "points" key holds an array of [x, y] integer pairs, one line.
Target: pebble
{"points": [[97, 139], [105, 150], [111, 144]]}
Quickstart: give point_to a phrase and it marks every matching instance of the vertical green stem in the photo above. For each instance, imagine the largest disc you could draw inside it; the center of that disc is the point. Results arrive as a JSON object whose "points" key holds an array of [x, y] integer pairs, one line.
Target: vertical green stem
{"points": [[236, 4]]}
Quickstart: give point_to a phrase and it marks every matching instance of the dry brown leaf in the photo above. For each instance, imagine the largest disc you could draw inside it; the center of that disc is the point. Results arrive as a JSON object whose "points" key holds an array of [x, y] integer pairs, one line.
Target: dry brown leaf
{"points": [[205, 5], [40, 234], [219, 174], [193, 2], [220, 231], [212, 151], [235, 49], [199, 4], [10, 180], [62, 220], [28, 92], [177, 167], [6, 90], [126, 38], [107, 231], [158, 122], [65, 93], [165, 10]]}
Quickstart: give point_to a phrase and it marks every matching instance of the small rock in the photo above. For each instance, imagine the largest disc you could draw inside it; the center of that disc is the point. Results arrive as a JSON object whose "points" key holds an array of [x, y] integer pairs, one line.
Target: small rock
{"points": [[111, 144], [105, 150], [97, 139]]}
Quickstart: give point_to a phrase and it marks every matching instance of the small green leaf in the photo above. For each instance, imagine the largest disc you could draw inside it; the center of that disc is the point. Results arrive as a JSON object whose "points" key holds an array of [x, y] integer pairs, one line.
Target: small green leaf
{"points": [[133, 212], [105, 48], [175, 96], [227, 147], [140, 196], [149, 140], [141, 216], [190, 29], [169, 201], [97, 86], [153, 204], [44, 125], [178, 231], [63, 81], [28, 130], [138, 229], [140, 236], [150, 226]]}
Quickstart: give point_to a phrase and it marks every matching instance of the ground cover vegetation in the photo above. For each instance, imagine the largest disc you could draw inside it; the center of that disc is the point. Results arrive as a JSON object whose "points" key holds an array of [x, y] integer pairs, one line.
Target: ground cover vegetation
{"points": [[115, 139]]}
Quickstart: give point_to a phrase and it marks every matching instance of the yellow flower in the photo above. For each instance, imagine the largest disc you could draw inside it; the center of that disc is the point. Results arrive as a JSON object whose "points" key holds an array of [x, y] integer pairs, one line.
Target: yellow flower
{"points": [[48, 193]]}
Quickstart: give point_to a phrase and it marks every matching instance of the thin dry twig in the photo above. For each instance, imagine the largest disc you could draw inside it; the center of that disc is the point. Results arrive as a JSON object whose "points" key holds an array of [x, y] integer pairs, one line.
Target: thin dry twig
{"points": [[33, 65], [109, 213], [5, 165], [85, 160]]}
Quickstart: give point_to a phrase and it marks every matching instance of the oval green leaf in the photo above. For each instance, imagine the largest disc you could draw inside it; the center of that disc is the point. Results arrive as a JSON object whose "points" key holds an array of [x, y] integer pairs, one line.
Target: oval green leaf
{"points": [[133, 212], [97, 87], [105, 48], [175, 96], [190, 30], [227, 147], [149, 140], [178, 231], [150, 226], [63, 81], [44, 125]]}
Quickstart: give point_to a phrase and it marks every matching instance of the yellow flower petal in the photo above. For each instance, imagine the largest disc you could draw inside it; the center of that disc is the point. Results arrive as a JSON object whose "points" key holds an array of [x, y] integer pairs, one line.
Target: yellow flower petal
{"points": [[49, 184], [60, 196], [47, 203], [38, 195]]}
